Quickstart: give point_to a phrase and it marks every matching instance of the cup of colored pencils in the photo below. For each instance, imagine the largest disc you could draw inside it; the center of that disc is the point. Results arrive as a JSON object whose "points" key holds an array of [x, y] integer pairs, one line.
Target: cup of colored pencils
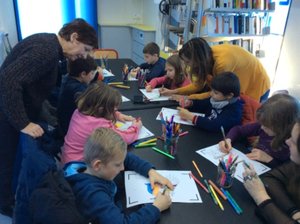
{"points": [[226, 171]]}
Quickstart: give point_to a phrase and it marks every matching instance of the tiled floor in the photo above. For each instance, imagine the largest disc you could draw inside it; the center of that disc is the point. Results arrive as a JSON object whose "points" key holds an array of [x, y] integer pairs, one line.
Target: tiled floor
{"points": [[5, 219]]}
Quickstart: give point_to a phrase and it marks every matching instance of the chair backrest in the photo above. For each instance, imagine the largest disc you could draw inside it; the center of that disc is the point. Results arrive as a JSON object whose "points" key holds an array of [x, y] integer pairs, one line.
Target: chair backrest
{"points": [[105, 53]]}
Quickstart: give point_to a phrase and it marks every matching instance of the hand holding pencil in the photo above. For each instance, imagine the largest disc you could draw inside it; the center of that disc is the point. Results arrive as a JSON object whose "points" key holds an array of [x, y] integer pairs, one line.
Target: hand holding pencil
{"points": [[225, 145]]}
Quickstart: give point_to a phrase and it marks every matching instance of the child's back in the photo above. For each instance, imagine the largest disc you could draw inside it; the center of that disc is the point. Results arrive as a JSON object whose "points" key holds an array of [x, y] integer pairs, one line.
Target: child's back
{"points": [[96, 108], [80, 74], [105, 155]]}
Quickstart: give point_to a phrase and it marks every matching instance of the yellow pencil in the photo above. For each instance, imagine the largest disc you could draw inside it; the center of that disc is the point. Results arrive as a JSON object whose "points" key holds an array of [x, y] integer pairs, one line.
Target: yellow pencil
{"points": [[122, 86], [115, 83], [195, 165], [148, 141], [216, 197]]}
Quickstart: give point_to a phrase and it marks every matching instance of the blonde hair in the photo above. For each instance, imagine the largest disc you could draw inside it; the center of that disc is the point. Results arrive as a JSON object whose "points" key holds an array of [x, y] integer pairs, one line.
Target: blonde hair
{"points": [[103, 144]]}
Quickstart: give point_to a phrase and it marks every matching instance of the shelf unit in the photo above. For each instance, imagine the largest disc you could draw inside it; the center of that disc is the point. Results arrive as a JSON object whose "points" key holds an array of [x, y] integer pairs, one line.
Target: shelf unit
{"points": [[242, 25]]}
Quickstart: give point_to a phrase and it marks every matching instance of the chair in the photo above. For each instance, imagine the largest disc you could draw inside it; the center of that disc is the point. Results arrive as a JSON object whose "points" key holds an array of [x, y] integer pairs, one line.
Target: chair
{"points": [[105, 53]]}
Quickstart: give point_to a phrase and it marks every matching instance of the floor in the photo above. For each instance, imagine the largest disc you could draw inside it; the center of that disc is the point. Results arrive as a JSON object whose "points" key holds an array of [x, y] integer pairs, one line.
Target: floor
{"points": [[5, 219]]}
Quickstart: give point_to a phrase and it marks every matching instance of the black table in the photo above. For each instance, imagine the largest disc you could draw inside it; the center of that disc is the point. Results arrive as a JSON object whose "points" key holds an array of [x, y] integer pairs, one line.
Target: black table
{"points": [[116, 66], [206, 212]]}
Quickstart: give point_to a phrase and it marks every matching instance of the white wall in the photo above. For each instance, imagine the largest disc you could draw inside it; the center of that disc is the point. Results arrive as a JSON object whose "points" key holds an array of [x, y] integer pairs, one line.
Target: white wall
{"points": [[288, 70], [120, 11], [7, 20]]}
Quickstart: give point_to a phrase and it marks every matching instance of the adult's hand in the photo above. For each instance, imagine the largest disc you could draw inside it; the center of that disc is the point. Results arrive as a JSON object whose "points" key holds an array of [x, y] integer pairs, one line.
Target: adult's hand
{"points": [[33, 130], [254, 185]]}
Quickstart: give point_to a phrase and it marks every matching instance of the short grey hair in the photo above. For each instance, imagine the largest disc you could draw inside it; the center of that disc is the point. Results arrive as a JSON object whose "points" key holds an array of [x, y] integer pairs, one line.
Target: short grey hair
{"points": [[103, 145]]}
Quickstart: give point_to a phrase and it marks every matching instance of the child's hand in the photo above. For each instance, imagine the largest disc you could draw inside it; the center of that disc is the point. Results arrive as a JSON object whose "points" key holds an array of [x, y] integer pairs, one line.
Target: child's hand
{"points": [[123, 117], [259, 155], [148, 88], [138, 123], [155, 177], [163, 201], [222, 146], [185, 114]]}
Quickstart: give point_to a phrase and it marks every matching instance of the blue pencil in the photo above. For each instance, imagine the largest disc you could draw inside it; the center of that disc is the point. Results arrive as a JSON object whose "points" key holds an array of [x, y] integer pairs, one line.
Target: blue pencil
{"points": [[234, 202], [231, 202]]}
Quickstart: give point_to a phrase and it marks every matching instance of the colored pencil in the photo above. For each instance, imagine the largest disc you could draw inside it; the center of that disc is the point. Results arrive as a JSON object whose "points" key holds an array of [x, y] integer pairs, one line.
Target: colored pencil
{"points": [[210, 192], [183, 133], [232, 201], [148, 141], [122, 86], [115, 83], [195, 165], [198, 182], [162, 152], [145, 145], [216, 197], [217, 189], [223, 133]]}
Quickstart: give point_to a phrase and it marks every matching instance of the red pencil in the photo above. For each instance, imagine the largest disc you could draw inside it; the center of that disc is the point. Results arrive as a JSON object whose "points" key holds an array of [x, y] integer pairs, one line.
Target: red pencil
{"points": [[183, 133], [198, 182]]}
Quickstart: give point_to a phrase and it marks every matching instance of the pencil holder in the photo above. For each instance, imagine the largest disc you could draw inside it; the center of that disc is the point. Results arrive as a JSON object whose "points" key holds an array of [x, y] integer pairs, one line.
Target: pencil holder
{"points": [[170, 145], [225, 176]]}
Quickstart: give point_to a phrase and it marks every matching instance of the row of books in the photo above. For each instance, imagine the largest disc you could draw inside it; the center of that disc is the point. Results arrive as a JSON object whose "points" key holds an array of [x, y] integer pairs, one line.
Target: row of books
{"points": [[234, 25], [239, 4], [246, 44]]}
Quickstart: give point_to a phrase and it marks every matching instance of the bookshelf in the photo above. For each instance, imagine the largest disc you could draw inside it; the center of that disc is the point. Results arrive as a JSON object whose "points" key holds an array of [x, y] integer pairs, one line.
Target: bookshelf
{"points": [[241, 22]]}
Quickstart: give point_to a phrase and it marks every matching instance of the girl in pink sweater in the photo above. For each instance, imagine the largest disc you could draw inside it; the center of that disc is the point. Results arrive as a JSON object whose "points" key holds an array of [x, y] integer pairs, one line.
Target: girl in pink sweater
{"points": [[96, 107], [174, 78]]}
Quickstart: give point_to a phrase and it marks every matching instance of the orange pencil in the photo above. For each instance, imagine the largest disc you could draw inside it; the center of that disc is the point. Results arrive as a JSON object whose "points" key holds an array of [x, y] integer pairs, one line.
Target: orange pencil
{"points": [[195, 165], [217, 189]]}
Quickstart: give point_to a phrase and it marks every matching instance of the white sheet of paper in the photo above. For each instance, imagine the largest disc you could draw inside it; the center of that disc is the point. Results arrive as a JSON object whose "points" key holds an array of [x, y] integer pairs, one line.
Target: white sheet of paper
{"points": [[167, 112], [154, 95], [138, 188], [213, 154], [125, 99], [107, 73], [144, 132]]}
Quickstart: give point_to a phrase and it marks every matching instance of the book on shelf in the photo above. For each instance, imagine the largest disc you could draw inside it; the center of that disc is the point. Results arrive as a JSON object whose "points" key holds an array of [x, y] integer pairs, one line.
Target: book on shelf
{"points": [[218, 25], [239, 4]]}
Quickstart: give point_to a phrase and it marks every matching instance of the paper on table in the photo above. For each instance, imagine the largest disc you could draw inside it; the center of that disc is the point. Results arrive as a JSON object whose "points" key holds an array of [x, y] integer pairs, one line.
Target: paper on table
{"points": [[154, 95], [125, 99], [144, 132], [138, 188], [167, 112], [107, 73], [213, 154]]}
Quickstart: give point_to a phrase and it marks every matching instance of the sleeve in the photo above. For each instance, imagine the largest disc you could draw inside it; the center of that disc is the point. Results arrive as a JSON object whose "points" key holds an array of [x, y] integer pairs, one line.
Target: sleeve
{"points": [[23, 71], [133, 162], [228, 118], [129, 135], [243, 131], [272, 214], [189, 89], [157, 81], [199, 96], [156, 71], [276, 181], [144, 66], [99, 206], [200, 106]]}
